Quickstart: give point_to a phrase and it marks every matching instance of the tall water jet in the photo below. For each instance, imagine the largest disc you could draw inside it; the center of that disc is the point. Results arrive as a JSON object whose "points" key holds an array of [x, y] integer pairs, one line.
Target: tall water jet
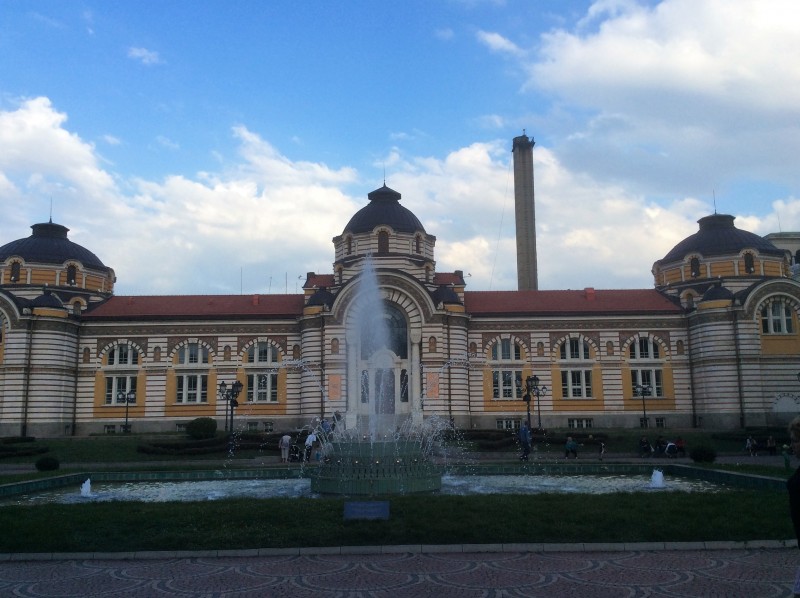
{"points": [[382, 449]]}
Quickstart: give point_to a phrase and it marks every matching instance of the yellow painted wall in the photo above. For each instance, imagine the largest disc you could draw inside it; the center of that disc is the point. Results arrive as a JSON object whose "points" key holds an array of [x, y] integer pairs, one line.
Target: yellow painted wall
{"points": [[723, 269]]}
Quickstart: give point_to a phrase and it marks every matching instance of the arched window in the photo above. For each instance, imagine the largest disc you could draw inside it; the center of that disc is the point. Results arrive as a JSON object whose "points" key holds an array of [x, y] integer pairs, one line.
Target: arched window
{"points": [[506, 363], [383, 242], [15, 271], [776, 318], [262, 372], [694, 267], [749, 264], [72, 273], [576, 369], [417, 244], [646, 361], [396, 337], [609, 348], [432, 344]]}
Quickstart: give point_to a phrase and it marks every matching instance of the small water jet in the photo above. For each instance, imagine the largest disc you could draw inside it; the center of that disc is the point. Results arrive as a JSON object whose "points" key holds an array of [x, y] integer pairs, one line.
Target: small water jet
{"points": [[657, 479], [86, 489]]}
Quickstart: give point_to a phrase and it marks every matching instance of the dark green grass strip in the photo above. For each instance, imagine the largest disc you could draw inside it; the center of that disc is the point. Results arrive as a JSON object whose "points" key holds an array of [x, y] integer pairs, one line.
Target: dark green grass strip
{"points": [[248, 523]]}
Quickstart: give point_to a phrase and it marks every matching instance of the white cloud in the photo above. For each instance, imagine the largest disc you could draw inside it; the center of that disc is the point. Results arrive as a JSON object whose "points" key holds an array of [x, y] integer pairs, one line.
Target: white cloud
{"points": [[497, 43], [262, 216], [145, 56], [167, 143]]}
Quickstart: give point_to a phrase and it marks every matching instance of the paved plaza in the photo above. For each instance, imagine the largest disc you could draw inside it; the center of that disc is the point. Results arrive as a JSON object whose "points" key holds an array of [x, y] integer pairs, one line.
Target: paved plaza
{"points": [[463, 572]]}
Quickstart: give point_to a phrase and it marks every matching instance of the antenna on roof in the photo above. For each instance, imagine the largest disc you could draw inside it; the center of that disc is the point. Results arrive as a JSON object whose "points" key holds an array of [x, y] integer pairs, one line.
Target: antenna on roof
{"points": [[714, 194], [51, 209]]}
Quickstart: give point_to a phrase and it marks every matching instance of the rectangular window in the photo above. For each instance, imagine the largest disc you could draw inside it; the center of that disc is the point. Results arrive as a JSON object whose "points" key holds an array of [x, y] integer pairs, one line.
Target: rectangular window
{"points": [[576, 384], [269, 426], [404, 386], [507, 424], [661, 422], [506, 348], [580, 422], [191, 388], [110, 429]]}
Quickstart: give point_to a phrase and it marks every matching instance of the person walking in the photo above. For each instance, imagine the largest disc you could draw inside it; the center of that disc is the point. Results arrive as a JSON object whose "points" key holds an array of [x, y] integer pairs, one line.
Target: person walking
{"points": [[284, 443], [525, 440], [570, 448]]}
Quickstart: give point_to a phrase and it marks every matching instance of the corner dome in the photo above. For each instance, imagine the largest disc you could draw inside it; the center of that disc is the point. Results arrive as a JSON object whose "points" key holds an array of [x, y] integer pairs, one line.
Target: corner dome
{"points": [[49, 245], [47, 299], [321, 297], [384, 209], [718, 236], [717, 293]]}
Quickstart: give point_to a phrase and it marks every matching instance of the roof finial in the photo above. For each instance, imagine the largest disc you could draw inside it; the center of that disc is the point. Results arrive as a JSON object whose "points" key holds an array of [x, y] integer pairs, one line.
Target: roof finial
{"points": [[51, 209], [714, 193]]}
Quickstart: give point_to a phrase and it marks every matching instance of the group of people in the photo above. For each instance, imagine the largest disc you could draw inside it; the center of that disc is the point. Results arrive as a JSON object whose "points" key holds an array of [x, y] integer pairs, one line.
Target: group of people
{"points": [[662, 447], [752, 446], [323, 430], [570, 447]]}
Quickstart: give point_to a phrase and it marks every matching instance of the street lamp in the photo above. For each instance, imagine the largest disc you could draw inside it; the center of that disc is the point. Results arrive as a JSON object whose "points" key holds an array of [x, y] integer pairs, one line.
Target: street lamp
{"points": [[640, 390], [532, 383], [229, 395], [128, 399]]}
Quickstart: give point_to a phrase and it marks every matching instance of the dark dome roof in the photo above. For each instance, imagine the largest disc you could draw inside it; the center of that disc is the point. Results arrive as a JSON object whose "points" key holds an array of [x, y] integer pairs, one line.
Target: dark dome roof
{"points": [[445, 294], [718, 236], [47, 299], [49, 245], [322, 296], [384, 209], [716, 293]]}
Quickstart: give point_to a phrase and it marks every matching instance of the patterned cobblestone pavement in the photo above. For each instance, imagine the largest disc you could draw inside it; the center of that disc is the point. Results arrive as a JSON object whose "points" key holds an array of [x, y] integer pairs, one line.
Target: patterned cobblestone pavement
{"points": [[746, 572]]}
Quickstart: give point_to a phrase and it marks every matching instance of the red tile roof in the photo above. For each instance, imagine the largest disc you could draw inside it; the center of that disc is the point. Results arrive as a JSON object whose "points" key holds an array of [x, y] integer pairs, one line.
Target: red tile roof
{"points": [[448, 278], [319, 280], [193, 307], [586, 301]]}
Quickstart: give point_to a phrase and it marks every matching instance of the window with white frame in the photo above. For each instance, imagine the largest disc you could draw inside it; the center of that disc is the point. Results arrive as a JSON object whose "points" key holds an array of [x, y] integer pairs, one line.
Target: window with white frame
{"points": [[262, 373], [120, 373], [506, 363], [576, 369], [646, 361], [191, 378], [580, 422], [508, 424], [123, 354], [118, 387], [776, 318]]}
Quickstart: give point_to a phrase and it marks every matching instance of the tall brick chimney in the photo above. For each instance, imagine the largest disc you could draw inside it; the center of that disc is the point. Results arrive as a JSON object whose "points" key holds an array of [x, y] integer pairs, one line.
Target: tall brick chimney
{"points": [[525, 214]]}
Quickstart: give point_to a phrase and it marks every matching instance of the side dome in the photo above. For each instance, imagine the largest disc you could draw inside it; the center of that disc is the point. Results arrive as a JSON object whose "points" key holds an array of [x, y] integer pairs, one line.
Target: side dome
{"points": [[384, 209], [49, 245], [718, 236]]}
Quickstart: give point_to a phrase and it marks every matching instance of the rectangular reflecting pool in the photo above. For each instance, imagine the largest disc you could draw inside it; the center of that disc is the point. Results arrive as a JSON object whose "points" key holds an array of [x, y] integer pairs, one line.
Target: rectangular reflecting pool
{"points": [[205, 490]]}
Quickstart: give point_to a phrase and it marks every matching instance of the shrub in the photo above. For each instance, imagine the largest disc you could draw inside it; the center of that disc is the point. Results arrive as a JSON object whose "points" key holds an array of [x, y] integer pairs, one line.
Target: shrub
{"points": [[703, 454], [47, 464], [201, 428]]}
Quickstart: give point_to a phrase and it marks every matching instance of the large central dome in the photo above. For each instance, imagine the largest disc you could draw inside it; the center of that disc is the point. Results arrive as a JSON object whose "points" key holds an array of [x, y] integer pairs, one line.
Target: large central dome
{"points": [[49, 245], [384, 209]]}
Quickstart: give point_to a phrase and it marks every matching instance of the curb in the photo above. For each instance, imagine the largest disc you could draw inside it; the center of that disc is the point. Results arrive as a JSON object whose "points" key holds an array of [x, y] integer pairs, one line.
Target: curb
{"points": [[580, 547]]}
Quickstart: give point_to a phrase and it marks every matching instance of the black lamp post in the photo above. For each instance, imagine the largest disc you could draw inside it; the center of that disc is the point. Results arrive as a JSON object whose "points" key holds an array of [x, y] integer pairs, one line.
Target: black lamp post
{"points": [[532, 383], [230, 395], [128, 399], [642, 391]]}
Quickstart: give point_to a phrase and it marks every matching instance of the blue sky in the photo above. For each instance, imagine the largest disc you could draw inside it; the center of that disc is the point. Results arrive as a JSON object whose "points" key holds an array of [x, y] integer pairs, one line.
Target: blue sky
{"points": [[217, 147]]}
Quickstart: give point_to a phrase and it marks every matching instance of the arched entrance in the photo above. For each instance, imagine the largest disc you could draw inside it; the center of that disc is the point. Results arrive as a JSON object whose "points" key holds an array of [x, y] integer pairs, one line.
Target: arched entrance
{"points": [[383, 367]]}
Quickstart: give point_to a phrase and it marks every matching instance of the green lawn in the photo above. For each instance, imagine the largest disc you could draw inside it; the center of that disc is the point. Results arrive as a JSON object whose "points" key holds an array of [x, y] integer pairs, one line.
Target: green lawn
{"points": [[240, 524]]}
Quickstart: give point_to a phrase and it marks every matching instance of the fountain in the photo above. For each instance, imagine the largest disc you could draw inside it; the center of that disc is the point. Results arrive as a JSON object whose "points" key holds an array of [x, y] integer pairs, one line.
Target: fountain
{"points": [[86, 489], [384, 452], [657, 479]]}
